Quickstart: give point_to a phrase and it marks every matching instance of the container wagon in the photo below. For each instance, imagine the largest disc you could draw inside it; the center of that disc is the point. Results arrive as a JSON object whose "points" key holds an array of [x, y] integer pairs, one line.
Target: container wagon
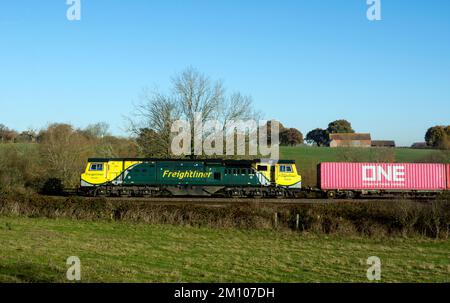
{"points": [[350, 180]]}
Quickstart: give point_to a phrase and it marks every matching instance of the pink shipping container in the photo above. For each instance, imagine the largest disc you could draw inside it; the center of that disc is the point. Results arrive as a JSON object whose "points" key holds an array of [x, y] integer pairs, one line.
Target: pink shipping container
{"points": [[384, 176]]}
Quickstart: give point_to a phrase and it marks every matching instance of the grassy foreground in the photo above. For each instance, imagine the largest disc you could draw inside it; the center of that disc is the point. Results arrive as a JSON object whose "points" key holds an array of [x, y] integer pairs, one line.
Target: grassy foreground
{"points": [[35, 250]]}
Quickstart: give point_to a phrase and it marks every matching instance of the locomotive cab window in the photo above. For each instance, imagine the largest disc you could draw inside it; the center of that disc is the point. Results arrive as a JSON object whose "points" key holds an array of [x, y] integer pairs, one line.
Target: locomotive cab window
{"points": [[96, 167], [286, 168]]}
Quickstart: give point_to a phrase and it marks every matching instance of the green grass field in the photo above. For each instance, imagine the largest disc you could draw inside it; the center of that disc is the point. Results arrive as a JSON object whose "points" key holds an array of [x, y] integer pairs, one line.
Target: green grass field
{"points": [[35, 250], [314, 155]]}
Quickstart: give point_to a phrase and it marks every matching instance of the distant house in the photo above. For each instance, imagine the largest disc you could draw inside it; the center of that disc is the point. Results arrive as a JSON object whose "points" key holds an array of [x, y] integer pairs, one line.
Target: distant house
{"points": [[350, 140], [420, 145], [383, 143]]}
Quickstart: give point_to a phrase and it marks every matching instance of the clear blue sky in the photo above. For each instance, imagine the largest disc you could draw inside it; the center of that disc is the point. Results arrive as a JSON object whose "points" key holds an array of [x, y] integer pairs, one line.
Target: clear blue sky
{"points": [[305, 62]]}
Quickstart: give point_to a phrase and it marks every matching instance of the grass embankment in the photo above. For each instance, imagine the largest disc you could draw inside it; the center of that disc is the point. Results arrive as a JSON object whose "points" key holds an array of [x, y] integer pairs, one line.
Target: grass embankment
{"points": [[372, 219], [35, 250]]}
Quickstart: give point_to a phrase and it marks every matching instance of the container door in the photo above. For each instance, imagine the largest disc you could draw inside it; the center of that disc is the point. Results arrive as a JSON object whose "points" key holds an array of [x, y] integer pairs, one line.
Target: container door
{"points": [[448, 176]]}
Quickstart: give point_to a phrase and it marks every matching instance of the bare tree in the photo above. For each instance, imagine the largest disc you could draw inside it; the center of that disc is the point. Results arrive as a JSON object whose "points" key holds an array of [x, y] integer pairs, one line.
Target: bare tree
{"points": [[97, 130], [192, 95], [151, 121], [238, 107], [64, 152], [195, 93]]}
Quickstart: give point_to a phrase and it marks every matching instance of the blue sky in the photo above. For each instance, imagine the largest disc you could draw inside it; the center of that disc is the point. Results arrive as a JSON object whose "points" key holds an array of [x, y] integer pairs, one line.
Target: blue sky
{"points": [[305, 62]]}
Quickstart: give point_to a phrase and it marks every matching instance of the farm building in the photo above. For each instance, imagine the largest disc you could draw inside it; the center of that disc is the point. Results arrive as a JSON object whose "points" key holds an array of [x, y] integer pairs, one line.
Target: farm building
{"points": [[383, 143], [350, 140], [420, 145]]}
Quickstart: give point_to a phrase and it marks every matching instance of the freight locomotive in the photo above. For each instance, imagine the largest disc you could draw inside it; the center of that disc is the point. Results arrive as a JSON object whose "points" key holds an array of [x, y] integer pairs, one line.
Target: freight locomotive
{"points": [[260, 178], [163, 177]]}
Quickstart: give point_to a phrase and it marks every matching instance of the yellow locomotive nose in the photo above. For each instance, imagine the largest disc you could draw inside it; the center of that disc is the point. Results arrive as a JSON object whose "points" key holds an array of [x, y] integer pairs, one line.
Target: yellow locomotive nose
{"points": [[101, 171], [286, 175], [95, 174]]}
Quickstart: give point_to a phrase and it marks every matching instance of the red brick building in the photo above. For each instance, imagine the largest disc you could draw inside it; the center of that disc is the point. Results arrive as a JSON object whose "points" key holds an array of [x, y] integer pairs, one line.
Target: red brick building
{"points": [[350, 140]]}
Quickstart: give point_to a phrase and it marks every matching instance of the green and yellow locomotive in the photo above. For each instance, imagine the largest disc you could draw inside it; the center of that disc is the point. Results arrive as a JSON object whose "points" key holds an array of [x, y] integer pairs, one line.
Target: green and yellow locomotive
{"points": [[213, 177]]}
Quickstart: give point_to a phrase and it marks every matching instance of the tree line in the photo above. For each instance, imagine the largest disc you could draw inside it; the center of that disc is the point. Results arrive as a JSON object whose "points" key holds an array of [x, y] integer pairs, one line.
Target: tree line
{"points": [[438, 137], [61, 152], [8, 135]]}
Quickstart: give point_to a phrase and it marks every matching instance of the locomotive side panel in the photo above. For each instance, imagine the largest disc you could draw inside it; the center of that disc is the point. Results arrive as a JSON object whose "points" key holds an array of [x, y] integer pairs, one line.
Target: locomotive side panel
{"points": [[182, 173], [141, 174]]}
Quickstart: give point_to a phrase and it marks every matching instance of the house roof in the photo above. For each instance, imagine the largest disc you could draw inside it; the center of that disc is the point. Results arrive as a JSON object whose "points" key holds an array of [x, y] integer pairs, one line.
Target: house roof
{"points": [[349, 136]]}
